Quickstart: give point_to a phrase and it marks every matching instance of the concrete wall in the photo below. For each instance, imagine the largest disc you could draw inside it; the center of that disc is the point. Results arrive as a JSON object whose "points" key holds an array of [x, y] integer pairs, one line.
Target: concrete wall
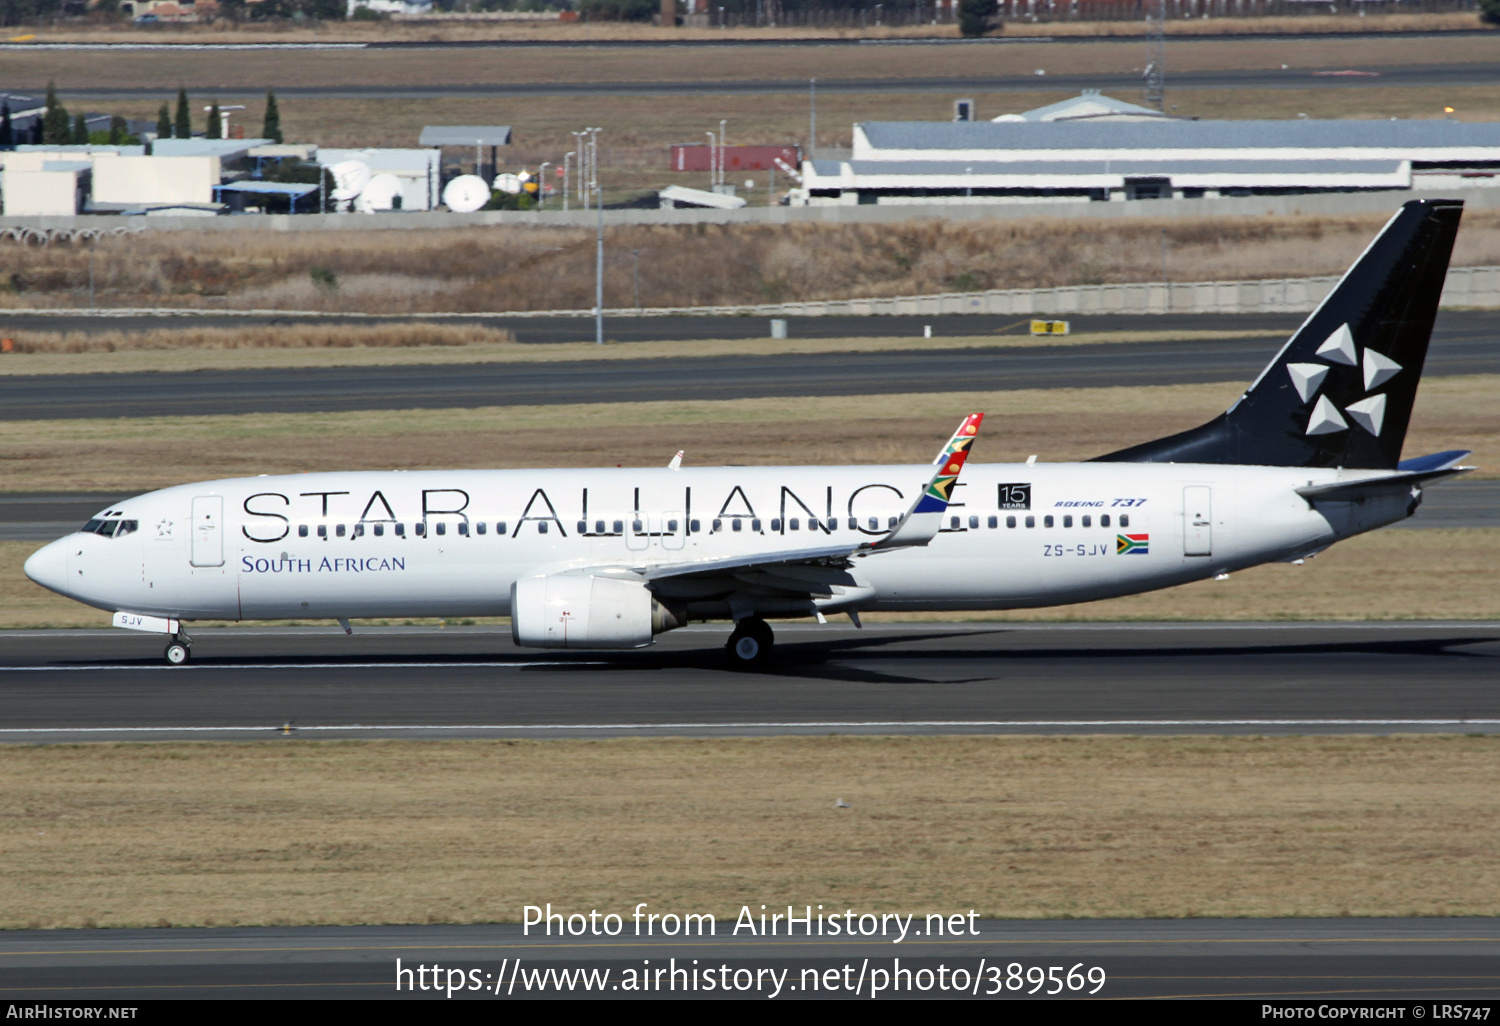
{"points": [[1466, 287], [1248, 206], [154, 180], [40, 193]]}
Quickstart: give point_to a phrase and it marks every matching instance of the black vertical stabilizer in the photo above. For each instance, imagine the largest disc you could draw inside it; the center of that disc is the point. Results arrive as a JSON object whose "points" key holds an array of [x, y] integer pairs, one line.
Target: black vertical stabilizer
{"points": [[1340, 392]]}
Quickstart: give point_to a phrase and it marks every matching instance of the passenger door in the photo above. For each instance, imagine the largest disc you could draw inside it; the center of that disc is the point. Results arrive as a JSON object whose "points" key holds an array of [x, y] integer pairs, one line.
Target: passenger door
{"points": [[208, 530], [1197, 521]]}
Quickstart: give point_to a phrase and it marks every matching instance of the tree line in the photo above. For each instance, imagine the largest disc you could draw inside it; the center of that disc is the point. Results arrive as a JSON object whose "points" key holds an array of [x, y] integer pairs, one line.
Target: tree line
{"points": [[57, 127]]}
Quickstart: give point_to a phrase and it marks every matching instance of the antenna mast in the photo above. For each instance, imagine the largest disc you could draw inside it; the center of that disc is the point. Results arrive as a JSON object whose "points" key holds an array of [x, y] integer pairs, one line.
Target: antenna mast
{"points": [[1156, 47]]}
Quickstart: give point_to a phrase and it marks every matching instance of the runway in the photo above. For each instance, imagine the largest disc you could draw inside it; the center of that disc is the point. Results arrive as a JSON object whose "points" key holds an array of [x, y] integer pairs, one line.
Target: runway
{"points": [[1381, 76], [1462, 344], [270, 684], [1294, 960]]}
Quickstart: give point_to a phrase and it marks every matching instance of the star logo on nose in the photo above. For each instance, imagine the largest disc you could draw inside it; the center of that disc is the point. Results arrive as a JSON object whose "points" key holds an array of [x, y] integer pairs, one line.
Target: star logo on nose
{"points": [[164, 529]]}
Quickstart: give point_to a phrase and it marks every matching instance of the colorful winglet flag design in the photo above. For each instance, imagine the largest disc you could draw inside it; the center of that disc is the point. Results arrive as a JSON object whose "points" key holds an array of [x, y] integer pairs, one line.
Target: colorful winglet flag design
{"points": [[950, 463], [1132, 544]]}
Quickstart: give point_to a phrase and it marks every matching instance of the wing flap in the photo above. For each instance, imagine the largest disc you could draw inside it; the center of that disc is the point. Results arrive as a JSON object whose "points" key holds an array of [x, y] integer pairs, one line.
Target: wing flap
{"points": [[832, 554]]}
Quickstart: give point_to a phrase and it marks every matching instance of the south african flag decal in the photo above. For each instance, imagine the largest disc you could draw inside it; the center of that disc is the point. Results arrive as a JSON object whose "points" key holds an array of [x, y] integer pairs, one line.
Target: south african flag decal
{"points": [[1132, 544]]}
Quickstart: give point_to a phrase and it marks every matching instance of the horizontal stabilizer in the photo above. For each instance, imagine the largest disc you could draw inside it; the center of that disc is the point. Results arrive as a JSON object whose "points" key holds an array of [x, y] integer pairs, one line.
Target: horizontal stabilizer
{"points": [[1423, 470], [1437, 461]]}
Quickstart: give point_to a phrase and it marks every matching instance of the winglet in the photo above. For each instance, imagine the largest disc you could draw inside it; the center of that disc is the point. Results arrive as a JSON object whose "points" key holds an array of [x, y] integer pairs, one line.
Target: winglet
{"points": [[922, 522]]}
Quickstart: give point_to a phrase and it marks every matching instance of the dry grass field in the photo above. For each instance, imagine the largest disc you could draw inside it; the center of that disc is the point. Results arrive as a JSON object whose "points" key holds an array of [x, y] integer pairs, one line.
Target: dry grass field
{"points": [[209, 345], [584, 33], [76, 72], [288, 832], [519, 267]]}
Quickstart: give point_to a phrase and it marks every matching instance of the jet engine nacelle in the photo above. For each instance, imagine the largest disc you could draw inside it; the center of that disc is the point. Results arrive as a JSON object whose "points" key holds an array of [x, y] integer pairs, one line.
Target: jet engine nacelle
{"points": [[583, 611]]}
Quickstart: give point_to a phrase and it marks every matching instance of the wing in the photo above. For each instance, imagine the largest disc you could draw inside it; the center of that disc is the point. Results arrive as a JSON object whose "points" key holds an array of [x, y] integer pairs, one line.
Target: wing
{"points": [[916, 527]]}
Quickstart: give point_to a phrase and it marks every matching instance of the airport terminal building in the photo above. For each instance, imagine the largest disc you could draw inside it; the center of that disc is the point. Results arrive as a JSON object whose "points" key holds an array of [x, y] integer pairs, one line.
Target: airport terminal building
{"points": [[1131, 153]]}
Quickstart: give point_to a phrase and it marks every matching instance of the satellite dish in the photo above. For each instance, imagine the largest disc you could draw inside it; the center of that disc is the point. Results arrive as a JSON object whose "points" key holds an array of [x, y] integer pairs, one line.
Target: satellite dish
{"points": [[466, 194], [508, 183], [380, 194], [349, 179]]}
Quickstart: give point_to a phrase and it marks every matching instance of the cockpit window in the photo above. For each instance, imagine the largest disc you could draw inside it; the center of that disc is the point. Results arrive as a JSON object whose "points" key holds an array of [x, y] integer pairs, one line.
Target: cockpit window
{"points": [[112, 528]]}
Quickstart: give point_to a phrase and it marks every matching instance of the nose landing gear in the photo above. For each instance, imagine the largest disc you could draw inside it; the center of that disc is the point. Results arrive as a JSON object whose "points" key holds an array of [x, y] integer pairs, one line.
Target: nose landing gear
{"points": [[179, 650], [751, 643]]}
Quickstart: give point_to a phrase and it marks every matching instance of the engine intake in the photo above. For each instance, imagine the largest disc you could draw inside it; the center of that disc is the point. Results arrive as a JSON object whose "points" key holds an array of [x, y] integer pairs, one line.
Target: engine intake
{"points": [[583, 611]]}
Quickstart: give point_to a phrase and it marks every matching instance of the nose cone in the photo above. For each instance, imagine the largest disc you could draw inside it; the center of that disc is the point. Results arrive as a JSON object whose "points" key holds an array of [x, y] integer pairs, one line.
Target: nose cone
{"points": [[48, 566]]}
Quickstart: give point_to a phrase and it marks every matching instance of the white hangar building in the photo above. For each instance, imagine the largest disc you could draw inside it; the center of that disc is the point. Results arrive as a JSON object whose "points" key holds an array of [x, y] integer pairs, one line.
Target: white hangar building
{"points": [[1075, 151]]}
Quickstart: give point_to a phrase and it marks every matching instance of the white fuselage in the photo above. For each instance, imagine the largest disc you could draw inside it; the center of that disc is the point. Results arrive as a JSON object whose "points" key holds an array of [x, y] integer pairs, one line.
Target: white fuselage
{"points": [[451, 543]]}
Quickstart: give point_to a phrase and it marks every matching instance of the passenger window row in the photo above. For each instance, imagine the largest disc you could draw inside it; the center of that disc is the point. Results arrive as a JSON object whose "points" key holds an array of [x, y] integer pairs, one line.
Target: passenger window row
{"points": [[120, 528], [1086, 520], [732, 524], [462, 528], [617, 527]]}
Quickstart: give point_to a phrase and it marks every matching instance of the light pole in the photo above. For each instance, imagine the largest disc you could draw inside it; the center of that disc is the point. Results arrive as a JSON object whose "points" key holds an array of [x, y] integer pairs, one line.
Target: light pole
{"points": [[712, 161], [582, 150], [812, 117], [722, 161], [592, 184], [541, 183], [599, 250], [567, 162]]}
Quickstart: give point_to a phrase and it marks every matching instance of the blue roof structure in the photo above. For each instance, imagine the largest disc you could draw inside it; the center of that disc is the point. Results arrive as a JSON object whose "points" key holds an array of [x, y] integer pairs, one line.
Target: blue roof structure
{"points": [[297, 189]]}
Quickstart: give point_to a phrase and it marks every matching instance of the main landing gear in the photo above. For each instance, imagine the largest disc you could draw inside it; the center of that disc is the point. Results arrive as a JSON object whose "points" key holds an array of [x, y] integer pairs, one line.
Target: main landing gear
{"points": [[750, 645], [179, 650]]}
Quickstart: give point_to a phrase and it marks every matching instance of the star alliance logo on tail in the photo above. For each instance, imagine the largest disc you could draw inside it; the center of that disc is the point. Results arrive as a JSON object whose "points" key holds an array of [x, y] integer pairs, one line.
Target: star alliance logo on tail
{"points": [[1132, 544]]}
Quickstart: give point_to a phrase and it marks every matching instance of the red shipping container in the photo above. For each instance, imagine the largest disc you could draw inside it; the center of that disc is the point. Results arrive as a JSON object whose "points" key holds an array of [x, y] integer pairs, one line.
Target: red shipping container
{"points": [[736, 158]]}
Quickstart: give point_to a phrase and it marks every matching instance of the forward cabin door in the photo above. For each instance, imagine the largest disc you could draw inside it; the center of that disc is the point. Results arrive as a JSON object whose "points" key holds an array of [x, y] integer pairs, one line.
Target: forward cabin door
{"points": [[208, 530], [1197, 521]]}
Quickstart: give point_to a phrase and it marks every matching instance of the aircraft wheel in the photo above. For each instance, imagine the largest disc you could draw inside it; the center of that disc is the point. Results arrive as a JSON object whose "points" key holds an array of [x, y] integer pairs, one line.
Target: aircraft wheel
{"points": [[751, 643], [177, 653]]}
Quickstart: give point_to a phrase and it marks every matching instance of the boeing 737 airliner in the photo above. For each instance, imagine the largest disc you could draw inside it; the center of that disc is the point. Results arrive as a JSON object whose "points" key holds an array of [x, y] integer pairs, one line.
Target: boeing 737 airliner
{"points": [[1310, 454]]}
